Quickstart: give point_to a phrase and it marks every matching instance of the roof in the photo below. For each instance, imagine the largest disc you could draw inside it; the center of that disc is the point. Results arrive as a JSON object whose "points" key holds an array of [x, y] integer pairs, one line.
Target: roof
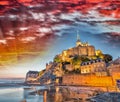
{"points": [[116, 61], [91, 61], [32, 72]]}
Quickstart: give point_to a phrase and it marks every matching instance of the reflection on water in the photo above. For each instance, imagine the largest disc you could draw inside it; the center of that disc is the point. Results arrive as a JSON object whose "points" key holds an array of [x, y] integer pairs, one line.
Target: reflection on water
{"points": [[54, 94], [17, 94], [67, 94], [31, 94], [13, 94], [48, 94], [57, 94]]}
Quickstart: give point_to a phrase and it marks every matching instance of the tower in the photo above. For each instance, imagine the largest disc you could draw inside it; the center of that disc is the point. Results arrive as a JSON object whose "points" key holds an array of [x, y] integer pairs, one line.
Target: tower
{"points": [[78, 42]]}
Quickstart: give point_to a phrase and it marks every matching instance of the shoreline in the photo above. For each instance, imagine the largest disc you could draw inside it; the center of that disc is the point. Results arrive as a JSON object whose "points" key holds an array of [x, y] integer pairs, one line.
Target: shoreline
{"points": [[63, 92]]}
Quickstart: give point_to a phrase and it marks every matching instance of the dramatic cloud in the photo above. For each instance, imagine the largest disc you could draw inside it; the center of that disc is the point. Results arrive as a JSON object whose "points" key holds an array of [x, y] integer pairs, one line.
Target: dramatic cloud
{"points": [[29, 27]]}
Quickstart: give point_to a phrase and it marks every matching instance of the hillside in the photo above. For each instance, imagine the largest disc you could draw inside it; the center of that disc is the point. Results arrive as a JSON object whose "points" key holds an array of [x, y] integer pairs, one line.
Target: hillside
{"points": [[79, 60]]}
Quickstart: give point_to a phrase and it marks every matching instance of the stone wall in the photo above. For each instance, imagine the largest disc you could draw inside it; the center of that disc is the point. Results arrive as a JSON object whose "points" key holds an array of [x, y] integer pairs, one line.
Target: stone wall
{"points": [[93, 66], [80, 50], [115, 76], [88, 80], [91, 50], [32, 77]]}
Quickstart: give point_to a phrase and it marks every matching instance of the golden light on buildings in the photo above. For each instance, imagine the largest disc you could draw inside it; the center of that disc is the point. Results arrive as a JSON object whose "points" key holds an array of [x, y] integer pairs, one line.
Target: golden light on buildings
{"points": [[98, 52], [65, 53]]}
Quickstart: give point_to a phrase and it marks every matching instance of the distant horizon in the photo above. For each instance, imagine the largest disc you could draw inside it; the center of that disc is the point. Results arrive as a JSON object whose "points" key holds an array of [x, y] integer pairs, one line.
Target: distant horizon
{"points": [[12, 78]]}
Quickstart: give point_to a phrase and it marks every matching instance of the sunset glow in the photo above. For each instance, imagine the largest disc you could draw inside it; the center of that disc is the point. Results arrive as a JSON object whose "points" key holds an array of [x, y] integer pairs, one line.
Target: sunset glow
{"points": [[4, 2], [33, 31]]}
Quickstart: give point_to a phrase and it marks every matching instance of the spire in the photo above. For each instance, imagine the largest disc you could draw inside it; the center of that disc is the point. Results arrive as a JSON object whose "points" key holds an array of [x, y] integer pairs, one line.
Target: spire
{"points": [[78, 36], [78, 42]]}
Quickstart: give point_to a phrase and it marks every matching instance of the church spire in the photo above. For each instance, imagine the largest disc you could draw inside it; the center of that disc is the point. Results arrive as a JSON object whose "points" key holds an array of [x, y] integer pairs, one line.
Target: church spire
{"points": [[78, 36], [78, 42]]}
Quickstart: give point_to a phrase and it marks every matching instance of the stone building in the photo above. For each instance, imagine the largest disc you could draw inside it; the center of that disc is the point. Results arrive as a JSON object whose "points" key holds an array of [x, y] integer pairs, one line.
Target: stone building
{"points": [[97, 67], [32, 76], [49, 65], [69, 67], [81, 49], [58, 70], [114, 67]]}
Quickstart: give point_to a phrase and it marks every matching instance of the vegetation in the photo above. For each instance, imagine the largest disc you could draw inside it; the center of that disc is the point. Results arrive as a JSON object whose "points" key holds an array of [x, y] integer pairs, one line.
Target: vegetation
{"points": [[77, 60], [99, 54], [57, 59], [107, 58], [41, 72], [75, 71]]}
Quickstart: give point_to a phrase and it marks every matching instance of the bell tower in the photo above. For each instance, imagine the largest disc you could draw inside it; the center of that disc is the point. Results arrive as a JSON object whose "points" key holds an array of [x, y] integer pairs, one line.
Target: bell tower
{"points": [[78, 42]]}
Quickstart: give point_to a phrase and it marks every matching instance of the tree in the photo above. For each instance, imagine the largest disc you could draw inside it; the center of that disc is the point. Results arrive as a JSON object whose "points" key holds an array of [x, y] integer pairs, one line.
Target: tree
{"points": [[76, 60], [57, 59], [84, 59], [107, 58], [77, 71]]}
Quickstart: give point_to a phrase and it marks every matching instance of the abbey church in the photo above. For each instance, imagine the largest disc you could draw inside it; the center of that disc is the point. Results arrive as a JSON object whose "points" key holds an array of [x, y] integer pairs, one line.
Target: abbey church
{"points": [[70, 68], [81, 49]]}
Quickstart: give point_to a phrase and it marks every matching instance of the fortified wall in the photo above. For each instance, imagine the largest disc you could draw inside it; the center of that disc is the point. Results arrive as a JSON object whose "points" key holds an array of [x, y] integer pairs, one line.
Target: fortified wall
{"points": [[109, 82], [88, 80], [94, 73]]}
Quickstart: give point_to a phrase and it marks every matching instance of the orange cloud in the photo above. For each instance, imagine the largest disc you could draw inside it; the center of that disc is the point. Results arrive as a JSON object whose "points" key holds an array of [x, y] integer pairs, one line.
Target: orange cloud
{"points": [[4, 2], [24, 0], [94, 1]]}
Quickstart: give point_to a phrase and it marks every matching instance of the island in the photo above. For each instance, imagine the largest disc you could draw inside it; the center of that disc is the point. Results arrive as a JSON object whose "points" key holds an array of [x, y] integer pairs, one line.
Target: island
{"points": [[81, 65]]}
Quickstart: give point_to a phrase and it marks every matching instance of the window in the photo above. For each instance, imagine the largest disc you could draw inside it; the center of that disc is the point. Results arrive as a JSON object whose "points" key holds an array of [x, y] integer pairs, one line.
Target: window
{"points": [[102, 65], [98, 65]]}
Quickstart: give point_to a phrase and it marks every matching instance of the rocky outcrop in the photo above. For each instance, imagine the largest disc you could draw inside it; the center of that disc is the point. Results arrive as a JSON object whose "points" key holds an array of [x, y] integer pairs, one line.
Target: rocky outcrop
{"points": [[32, 77]]}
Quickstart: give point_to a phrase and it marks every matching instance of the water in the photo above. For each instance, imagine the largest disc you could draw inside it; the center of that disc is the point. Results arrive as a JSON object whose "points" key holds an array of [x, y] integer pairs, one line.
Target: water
{"points": [[17, 94], [10, 91], [13, 94]]}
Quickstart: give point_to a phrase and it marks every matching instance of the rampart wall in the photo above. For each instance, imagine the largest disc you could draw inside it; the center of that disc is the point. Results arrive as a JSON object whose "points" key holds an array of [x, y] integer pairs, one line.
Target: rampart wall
{"points": [[90, 80]]}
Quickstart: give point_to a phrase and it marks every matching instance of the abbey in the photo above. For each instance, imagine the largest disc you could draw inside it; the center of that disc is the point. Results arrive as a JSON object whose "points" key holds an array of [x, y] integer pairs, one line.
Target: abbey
{"points": [[81, 49], [80, 65]]}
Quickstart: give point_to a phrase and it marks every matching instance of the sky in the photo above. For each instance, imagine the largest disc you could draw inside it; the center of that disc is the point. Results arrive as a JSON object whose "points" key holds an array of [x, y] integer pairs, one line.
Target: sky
{"points": [[33, 32]]}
